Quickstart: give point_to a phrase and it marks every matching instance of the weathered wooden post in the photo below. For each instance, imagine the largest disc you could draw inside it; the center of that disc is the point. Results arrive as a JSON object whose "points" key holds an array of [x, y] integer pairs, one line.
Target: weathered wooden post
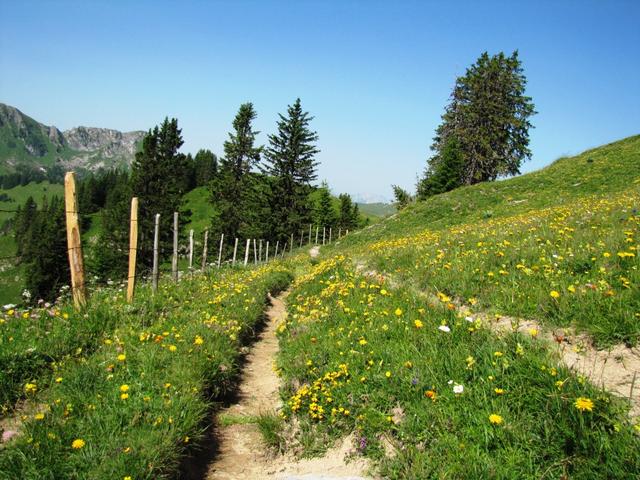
{"points": [[324, 232], [309, 234], [255, 252], [267, 253], [339, 233], [346, 233], [220, 249], [291, 244], [260, 251], [190, 249], [204, 249], [235, 249], [317, 228], [133, 249], [284, 250], [246, 253], [330, 231], [301, 235], [74, 246], [156, 265], [275, 255], [174, 260]]}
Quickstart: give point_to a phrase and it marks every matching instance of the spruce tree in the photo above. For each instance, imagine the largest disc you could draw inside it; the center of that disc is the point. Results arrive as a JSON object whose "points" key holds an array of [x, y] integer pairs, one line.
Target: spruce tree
{"points": [[346, 217], [157, 179], [325, 214], [488, 115], [206, 167], [232, 192], [290, 160]]}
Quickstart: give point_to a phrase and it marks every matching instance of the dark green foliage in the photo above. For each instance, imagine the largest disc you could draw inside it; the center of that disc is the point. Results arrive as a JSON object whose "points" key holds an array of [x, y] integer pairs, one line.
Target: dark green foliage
{"points": [[488, 114], [158, 180], [205, 167], [42, 244], [290, 160], [349, 215], [403, 198], [112, 248], [232, 190], [325, 214], [444, 173]]}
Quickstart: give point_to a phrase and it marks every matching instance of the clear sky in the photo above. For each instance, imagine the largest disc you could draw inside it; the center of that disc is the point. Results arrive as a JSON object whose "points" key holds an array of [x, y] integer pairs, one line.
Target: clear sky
{"points": [[376, 75]]}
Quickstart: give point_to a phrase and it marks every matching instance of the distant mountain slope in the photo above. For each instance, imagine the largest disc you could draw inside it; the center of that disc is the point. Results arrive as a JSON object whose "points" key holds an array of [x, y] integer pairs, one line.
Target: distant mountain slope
{"points": [[377, 209], [27, 143]]}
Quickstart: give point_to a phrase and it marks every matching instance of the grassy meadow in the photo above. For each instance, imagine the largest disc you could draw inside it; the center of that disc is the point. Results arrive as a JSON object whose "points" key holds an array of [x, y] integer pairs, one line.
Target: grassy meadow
{"points": [[381, 339]]}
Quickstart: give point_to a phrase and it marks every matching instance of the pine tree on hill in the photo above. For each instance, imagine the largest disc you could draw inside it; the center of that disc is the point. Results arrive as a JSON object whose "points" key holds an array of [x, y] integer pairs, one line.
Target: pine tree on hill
{"points": [[157, 179], [290, 160], [232, 192], [486, 121], [325, 214]]}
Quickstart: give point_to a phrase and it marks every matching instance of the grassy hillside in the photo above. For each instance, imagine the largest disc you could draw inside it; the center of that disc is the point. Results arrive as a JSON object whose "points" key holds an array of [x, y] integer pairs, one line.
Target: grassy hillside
{"points": [[377, 209], [392, 334]]}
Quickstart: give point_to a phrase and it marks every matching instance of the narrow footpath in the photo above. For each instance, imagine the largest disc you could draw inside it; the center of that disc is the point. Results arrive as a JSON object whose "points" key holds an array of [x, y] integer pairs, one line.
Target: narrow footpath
{"points": [[241, 453]]}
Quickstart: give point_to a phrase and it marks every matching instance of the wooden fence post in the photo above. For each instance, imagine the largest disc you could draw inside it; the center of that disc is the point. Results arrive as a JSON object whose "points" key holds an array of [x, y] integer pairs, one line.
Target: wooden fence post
{"points": [[74, 245], [330, 233], [275, 255], [174, 260], [309, 234], [190, 249], [255, 252], [235, 249], [301, 235], [339, 233], [291, 245], [204, 249], [246, 253], [267, 252], [133, 249], [220, 249], [284, 250], [260, 251], [156, 242], [317, 228], [324, 232]]}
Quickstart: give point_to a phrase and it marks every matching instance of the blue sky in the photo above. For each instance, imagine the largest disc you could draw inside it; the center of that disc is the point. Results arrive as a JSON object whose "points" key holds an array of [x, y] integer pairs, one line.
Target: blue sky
{"points": [[376, 75]]}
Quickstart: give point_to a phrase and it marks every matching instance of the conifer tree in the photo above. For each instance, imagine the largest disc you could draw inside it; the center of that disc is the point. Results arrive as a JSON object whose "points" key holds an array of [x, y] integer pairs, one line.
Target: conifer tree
{"points": [[206, 167], [346, 219], [488, 120], [290, 160], [232, 191], [157, 179], [325, 214]]}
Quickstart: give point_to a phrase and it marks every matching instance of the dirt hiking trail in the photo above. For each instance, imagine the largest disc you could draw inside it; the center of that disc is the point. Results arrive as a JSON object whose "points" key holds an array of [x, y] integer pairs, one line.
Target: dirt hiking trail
{"points": [[241, 452]]}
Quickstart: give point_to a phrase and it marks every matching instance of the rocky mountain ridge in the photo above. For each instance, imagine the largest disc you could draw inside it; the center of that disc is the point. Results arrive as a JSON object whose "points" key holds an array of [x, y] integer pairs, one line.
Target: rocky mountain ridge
{"points": [[27, 143]]}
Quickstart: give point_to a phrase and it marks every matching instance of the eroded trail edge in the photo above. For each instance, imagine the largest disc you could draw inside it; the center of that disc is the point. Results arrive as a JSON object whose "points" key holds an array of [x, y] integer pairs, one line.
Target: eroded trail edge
{"points": [[242, 453]]}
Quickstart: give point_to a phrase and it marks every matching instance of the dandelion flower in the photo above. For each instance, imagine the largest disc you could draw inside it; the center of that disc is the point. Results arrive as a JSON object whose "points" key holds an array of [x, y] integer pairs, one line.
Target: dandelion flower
{"points": [[124, 388], [77, 444], [122, 357], [495, 419], [554, 294], [398, 311], [418, 323], [198, 340], [583, 404]]}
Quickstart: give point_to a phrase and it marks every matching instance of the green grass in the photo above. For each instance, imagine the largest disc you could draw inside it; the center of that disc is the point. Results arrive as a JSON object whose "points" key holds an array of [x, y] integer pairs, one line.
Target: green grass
{"points": [[366, 354], [197, 200], [377, 209], [371, 359], [136, 404]]}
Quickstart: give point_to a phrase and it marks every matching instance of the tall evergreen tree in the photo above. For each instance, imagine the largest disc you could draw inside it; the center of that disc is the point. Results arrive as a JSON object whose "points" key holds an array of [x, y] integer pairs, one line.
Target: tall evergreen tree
{"points": [[290, 160], [325, 214], [488, 115], [346, 217], [44, 253], [206, 167], [157, 179], [232, 191]]}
